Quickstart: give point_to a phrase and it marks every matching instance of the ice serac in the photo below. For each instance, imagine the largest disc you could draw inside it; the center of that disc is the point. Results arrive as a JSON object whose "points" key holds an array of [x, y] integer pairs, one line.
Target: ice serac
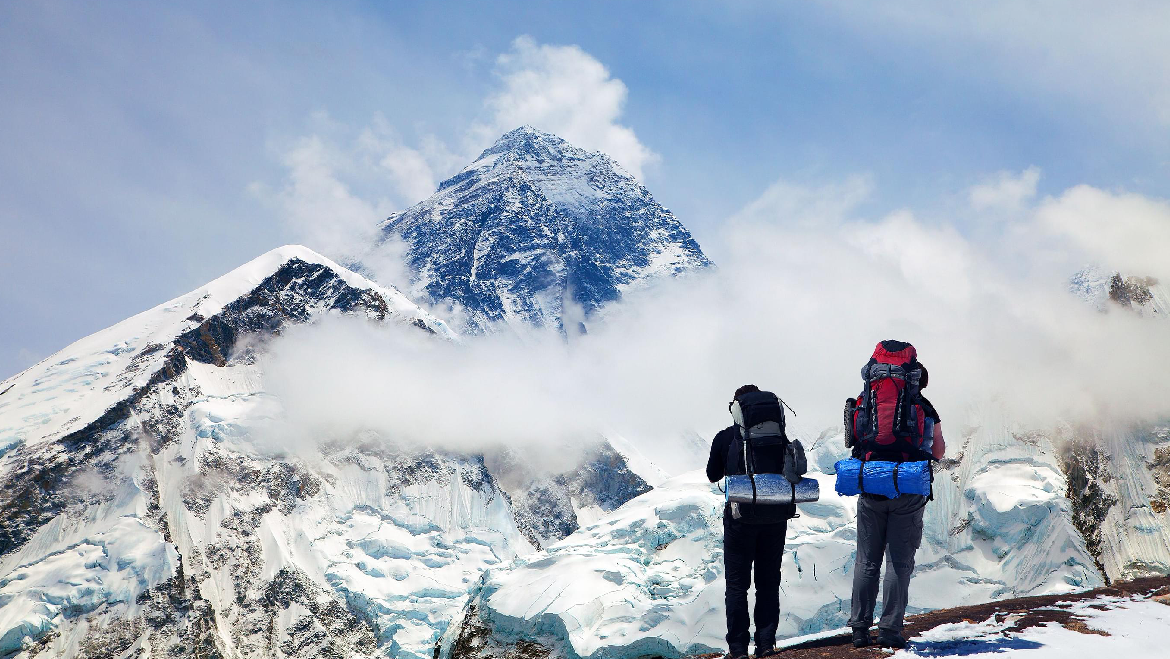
{"points": [[538, 232], [131, 515], [149, 511], [1118, 471], [648, 578]]}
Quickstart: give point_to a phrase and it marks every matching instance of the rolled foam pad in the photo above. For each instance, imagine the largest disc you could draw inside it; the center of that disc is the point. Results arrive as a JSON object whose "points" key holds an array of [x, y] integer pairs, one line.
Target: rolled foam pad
{"points": [[878, 477], [772, 489]]}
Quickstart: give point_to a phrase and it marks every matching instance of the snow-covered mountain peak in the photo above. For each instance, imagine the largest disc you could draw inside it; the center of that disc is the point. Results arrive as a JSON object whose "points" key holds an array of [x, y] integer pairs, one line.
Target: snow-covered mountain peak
{"points": [[530, 143], [537, 229], [1105, 289], [76, 385], [149, 509]]}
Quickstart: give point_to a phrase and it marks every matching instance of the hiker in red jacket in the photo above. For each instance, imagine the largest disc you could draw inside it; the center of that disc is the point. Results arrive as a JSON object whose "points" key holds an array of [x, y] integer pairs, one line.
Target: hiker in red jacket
{"points": [[890, 421]]}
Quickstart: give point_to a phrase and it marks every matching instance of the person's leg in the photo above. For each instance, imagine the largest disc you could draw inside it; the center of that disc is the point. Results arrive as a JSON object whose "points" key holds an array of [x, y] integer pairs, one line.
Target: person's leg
{"points": [[769, 555], [904, 534], [738, 551], [871, 543]]}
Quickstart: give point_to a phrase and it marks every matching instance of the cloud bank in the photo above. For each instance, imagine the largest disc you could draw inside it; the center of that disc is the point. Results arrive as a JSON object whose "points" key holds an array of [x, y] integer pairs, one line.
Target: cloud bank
{"points": [[794, 307]]}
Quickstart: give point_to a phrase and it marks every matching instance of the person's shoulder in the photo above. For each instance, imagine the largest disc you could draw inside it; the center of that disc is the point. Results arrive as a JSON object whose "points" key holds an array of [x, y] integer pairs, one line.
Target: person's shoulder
{"points": [[726, 435], [928, 407]]}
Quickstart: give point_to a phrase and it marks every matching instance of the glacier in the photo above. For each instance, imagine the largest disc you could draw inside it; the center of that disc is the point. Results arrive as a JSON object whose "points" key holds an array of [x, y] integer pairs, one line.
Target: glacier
{"points": [[144, 511], [648, 578]]}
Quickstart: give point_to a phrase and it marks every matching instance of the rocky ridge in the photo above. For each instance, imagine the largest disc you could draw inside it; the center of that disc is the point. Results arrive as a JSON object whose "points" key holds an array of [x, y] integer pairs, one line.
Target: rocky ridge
{"points": [[144, 511]]}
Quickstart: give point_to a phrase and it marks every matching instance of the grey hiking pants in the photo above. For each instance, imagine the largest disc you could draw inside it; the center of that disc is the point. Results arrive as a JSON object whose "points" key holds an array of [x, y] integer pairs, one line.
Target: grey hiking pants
{"points": [[893, 528]]}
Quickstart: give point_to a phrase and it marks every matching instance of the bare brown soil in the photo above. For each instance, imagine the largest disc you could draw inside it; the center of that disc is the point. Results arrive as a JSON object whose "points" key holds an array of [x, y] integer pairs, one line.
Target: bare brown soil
{"points": [[1028, 611]]}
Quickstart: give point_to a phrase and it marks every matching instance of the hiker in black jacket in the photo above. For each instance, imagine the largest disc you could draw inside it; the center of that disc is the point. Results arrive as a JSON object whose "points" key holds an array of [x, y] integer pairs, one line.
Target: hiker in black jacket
{"points": [[752, 534]]}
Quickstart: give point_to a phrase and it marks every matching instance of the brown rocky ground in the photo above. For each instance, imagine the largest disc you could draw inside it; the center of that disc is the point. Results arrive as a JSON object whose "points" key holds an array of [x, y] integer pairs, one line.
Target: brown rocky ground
{"points": [[1033, 611]]}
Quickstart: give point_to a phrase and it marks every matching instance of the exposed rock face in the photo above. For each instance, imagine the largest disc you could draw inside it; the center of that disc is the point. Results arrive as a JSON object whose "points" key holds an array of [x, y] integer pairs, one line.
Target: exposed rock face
{"points": [[1109, 289], [548, 508], [1130, 291], [537, 232], [1088, 489], [1117, 484], [142, 515]]}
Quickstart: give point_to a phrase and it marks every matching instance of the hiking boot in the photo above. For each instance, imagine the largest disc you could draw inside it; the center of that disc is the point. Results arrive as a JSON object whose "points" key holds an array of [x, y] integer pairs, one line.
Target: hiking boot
{"points": [[735, 655], [769, 651], [891, 639], [861, 637]]}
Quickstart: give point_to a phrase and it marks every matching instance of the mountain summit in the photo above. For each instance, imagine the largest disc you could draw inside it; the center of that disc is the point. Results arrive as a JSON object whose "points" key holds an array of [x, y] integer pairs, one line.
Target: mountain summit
{"points": [[538, 232]]}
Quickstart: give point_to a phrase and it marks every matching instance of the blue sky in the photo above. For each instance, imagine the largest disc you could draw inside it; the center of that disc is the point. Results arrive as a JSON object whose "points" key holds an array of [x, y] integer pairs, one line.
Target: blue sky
{"points": [[149, 148]]}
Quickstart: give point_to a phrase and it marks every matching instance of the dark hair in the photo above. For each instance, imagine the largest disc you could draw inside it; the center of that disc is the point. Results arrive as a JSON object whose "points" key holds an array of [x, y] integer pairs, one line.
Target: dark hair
{"points": [[925, 377], [745, 389]]}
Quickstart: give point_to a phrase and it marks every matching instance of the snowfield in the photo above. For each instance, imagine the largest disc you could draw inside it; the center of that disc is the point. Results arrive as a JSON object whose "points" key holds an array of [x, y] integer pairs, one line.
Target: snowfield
{"points": [[1132, 627]]}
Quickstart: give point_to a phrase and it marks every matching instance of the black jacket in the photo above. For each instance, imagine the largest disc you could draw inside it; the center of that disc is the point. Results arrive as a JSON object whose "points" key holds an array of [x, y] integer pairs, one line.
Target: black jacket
{"points": [[719, 464], [928, 408]]}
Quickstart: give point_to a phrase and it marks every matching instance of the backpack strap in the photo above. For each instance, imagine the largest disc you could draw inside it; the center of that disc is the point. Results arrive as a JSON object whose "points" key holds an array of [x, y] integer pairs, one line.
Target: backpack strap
{"points": [[897, 492], [931, 467], [746, 434]]}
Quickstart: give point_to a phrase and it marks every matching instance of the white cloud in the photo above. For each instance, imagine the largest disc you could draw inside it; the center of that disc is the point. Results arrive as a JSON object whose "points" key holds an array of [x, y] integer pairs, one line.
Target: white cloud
{"points": [[318, 205], [1123, 231], [1107, 56], [935, 260], [26, 358], [1006, 190], [566, 91], [381, 156], [339, 186], [797, 204], [793, 307], [410, 172]]}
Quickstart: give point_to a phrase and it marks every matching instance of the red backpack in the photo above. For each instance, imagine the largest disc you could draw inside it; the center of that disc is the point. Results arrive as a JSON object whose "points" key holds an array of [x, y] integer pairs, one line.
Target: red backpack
{"points": [[887, 421]]}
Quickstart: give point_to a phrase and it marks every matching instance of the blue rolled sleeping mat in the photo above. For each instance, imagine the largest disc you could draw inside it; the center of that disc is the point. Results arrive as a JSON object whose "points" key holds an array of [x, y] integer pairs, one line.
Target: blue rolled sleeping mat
{"points": [[888, 479], [772, 489]]}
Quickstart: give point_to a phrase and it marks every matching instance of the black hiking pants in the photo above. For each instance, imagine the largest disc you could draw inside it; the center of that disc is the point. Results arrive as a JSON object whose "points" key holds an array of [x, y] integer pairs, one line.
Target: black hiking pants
{"points": [[891, 528], [744, 545]]}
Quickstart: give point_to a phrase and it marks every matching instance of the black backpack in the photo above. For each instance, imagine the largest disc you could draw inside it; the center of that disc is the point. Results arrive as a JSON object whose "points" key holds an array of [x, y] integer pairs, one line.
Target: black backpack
{"points": [[761, 445]]}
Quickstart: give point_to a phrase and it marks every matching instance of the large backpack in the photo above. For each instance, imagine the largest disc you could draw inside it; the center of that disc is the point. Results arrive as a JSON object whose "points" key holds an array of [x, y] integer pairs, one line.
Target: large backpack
{"points": [[761, 445], [888, 421], [760, 442]]}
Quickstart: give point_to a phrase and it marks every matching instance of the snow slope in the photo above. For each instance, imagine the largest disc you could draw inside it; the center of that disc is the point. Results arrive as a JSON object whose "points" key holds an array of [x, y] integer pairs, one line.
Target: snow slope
{"points": [[537, 232], [1120, 471], [77, 384], [146, 510], [1133, 627]]}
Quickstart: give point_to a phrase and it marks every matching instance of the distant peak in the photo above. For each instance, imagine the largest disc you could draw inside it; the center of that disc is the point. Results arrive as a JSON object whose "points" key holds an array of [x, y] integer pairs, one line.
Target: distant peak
{"points": [[529, 141], [527, 132]]}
